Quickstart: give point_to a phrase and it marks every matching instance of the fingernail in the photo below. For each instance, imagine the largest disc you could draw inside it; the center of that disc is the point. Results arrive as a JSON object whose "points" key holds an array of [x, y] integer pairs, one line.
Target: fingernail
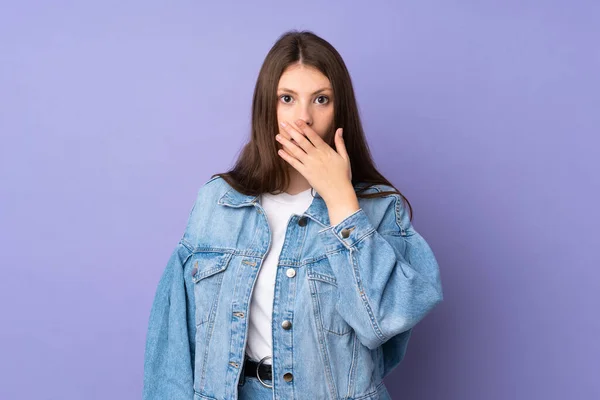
{"points": [[283, 124]]}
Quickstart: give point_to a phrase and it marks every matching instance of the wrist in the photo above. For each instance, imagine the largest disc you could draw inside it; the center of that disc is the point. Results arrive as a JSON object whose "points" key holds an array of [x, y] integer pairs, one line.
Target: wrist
{"points": [[341, 205]]}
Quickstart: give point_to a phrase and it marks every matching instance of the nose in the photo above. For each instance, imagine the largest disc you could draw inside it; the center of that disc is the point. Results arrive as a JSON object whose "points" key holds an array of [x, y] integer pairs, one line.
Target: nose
{"points": [[305, 115]]}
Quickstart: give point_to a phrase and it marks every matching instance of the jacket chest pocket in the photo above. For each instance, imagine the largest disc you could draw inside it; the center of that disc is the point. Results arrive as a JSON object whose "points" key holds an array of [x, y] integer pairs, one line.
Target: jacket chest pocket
{"points": [[208, 270], [324, 295]]}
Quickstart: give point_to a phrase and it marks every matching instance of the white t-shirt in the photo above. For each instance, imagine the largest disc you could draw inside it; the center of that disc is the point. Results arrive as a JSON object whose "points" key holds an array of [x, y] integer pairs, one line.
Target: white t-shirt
{"points": [[278, 208]]}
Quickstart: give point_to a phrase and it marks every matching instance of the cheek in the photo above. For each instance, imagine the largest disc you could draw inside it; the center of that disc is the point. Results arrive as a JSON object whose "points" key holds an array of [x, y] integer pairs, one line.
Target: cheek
{"points": [[326, 125], [328, 133], [284, 112], [283, 115]]}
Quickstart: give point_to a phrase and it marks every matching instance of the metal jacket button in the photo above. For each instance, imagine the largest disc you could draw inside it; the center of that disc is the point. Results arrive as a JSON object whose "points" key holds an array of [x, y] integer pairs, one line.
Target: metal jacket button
{"points": [[290, 272], [288, 377], [345, 232], [286, 324], [302, 221]]}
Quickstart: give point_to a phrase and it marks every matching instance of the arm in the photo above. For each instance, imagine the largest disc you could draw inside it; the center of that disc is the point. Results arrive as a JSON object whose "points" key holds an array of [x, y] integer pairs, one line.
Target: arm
{"points": [[169, 354], [388, 277]]}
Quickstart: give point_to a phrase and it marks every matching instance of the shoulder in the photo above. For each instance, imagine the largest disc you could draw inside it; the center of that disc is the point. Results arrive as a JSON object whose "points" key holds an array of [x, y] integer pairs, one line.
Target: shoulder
{"points": [[215, 183], [373, 188], [212, 189], [390, 211], [386, 199], [207, 196], [204, 210]]}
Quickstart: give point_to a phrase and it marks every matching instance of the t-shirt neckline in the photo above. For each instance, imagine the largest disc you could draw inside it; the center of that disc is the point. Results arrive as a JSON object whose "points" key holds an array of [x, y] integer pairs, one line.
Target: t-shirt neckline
{"points": [[287, 198]]}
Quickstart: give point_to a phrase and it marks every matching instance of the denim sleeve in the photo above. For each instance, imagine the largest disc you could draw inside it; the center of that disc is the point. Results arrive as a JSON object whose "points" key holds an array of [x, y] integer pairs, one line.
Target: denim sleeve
{"points": [[388, 277], [169, 353]]}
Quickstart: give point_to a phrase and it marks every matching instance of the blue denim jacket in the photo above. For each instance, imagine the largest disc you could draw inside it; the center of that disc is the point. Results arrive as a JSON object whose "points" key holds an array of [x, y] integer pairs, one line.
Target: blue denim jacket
{"points": [[359, 288]]}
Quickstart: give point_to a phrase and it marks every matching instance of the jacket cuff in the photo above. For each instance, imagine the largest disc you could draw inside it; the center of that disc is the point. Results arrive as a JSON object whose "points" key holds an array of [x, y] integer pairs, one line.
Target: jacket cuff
{"points": [[347, 232]]}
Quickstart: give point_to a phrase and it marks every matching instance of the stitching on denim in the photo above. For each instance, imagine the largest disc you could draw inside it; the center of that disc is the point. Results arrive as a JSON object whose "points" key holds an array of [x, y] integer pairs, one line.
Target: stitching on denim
{"points": [[363, 295], [353, 369], [322, 341]]}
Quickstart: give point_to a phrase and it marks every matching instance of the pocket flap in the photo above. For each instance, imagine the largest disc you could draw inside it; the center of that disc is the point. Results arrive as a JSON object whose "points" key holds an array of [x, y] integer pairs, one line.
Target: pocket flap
{"points": [[208, 263], [321, 271]]}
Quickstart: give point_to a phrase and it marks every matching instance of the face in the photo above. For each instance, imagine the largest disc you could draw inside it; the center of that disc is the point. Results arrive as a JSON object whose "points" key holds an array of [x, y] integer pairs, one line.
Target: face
{"points": [[305, 93]]}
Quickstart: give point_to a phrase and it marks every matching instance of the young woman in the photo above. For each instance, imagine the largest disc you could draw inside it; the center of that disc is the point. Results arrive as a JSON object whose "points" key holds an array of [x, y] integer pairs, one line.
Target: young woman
{"points": [[299, 274]]}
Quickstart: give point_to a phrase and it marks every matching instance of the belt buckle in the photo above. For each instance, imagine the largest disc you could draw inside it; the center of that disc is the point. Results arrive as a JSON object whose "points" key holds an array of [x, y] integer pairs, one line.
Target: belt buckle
{"points": [[257, 374]]}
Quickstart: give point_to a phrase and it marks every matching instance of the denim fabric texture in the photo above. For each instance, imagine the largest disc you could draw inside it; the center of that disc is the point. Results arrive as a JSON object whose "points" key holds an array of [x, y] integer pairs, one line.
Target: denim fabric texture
{"points": [[252, 389], [352, 292]]}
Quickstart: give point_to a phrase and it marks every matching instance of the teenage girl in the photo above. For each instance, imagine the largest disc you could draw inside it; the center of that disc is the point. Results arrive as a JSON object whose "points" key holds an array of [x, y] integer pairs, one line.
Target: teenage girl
{"points": [[299, 274]]}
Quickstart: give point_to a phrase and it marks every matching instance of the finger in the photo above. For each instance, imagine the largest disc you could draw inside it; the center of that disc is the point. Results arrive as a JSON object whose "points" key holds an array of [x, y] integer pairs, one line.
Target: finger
{"points": [[299, 137], [283, 131], [313, 136], [291, 147], [340, 146], [280, 147], [291, 160]]}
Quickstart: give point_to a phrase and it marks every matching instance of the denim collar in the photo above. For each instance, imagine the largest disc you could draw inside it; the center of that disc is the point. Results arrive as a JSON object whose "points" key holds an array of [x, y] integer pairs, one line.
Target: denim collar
{"points": [[316, 211]]}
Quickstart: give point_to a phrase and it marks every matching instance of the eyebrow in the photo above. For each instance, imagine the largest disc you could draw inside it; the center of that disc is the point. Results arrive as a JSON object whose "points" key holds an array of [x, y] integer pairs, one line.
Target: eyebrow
{"points": [[318, 91]]}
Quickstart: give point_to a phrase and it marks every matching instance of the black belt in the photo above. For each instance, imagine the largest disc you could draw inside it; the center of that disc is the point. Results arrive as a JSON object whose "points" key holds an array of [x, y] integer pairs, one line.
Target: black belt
{"points": [[264, 370]]}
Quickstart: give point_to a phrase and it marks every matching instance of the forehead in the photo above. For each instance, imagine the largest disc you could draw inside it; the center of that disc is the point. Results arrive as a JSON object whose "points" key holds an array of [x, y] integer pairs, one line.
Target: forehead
{"points": [[303, 77]]}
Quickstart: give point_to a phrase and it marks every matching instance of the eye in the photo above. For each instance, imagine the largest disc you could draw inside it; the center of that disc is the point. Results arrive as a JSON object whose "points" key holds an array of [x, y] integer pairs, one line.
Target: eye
{"points": [[324, 97], [285, 95]]}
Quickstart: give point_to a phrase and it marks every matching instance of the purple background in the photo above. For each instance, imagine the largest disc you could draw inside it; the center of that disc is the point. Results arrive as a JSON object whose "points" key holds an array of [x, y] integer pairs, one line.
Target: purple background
{"points": [[486, 114]]}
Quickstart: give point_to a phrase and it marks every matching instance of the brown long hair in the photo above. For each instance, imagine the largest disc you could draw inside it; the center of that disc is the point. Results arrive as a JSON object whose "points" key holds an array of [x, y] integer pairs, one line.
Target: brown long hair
{"points": [[258, 168]]}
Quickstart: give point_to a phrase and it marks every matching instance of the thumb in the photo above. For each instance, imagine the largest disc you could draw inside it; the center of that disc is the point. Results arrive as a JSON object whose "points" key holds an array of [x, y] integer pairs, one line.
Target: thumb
{"points": [[340, 147]]}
